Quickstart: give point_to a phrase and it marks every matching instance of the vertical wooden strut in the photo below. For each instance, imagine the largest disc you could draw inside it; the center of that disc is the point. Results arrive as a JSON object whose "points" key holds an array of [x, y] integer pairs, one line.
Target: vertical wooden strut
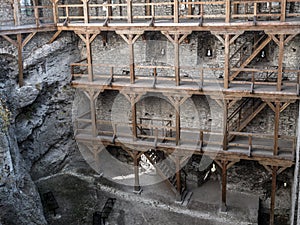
{"points": [[137, 187], [225, 124], [55, 11], [20, 59], [129, 11], [178, 175], [273, 194], [92, 96], [85, 11], [176, 11], [224, 186], [276, 127], [227, 13], [280, 62], [190, 9], [177, 39], [16, 12], [226, 63], [148, 8], [283, 10], [88, 40]]}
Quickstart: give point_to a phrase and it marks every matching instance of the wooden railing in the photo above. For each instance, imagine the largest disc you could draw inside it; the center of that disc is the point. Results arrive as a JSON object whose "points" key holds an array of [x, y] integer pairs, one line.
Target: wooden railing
{"points": [[226, 10], [199, 139], [201, 76]]}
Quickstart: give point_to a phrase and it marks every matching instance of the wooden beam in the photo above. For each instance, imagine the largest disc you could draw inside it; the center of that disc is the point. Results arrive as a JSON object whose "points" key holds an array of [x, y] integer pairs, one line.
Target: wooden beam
{"points": [[13, 42], [227, 11], [190, 8], [131, 58], [148, 8], [273, 195], [20, 59], [225, 124], [16, 12], [137, 187], [176, 11], [280, 62], [129, 11], [176, 59], [55, 11], [89, 57], [227, 61], [289, 38], [92, 96], [283, 10], [251, 57], [276, 127], [27, 39], [178, 175], [85, 11], [54, 36], [224, 186]]}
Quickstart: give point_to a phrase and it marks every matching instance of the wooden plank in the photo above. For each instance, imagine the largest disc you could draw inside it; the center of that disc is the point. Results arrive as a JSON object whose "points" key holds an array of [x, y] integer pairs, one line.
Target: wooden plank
{"points": [[273, 194], [227, 61], [20, 59], [280, 62], [251, 57]]}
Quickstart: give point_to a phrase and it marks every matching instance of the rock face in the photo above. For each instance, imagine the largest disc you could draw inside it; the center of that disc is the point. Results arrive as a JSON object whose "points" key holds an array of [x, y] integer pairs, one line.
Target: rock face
{"points": [[35, 125]]}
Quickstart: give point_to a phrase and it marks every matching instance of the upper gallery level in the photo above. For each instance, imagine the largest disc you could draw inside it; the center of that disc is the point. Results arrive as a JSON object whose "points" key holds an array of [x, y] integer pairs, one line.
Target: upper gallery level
{"points": [[150, 14]]}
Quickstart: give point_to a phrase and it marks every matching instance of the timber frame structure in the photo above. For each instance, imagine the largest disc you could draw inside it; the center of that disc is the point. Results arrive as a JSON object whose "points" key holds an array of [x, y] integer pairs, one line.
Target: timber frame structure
{"points": [[278, 25]]}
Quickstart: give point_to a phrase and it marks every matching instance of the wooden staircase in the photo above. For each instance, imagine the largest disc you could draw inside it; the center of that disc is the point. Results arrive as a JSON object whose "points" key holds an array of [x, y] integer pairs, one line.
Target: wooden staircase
{"points": [[244, 114], [166, 169]]}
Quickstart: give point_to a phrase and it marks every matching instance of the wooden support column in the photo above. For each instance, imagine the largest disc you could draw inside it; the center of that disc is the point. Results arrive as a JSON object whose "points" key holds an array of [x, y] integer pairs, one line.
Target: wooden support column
{"points": [[148, 8], [227, 61], [133, 98], [16, 12], [130, 38], [177, 101], [276, 127], [92, 96], [177, 39], [224, 186], [20, 44], [88, 39], [283, 10], [280, 62], [225, 124], [109, 9], [137, 187], [176, 11], [55, 11], [273, 194], [85, 11], [190, 8], [227, 12], [178, 175], [20, 59], [129, 11]]}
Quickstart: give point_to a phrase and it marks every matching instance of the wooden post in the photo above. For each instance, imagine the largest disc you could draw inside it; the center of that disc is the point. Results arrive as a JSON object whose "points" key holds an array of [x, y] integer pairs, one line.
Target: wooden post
{"points": [[137, 187], [224, 186], [178, 176], [36, 12], [177, 108], [273, 194], [89, 57], [131, 58], [176, 59], [16, 13], [109, 9], [133, 111], [176, 11], [148, 8], [276, 127], [283, 10], [93, 116], [129, 11], [20, 59], [55, 11], [85, 11], [280, 62], [225, 125], [227, 59], [190, 9], [227, 13]]}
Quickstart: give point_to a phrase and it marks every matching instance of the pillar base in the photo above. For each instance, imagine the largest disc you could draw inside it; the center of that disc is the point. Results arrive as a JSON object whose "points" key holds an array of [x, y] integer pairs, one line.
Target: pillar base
{"points": [[137, 190], [223, 207]]}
